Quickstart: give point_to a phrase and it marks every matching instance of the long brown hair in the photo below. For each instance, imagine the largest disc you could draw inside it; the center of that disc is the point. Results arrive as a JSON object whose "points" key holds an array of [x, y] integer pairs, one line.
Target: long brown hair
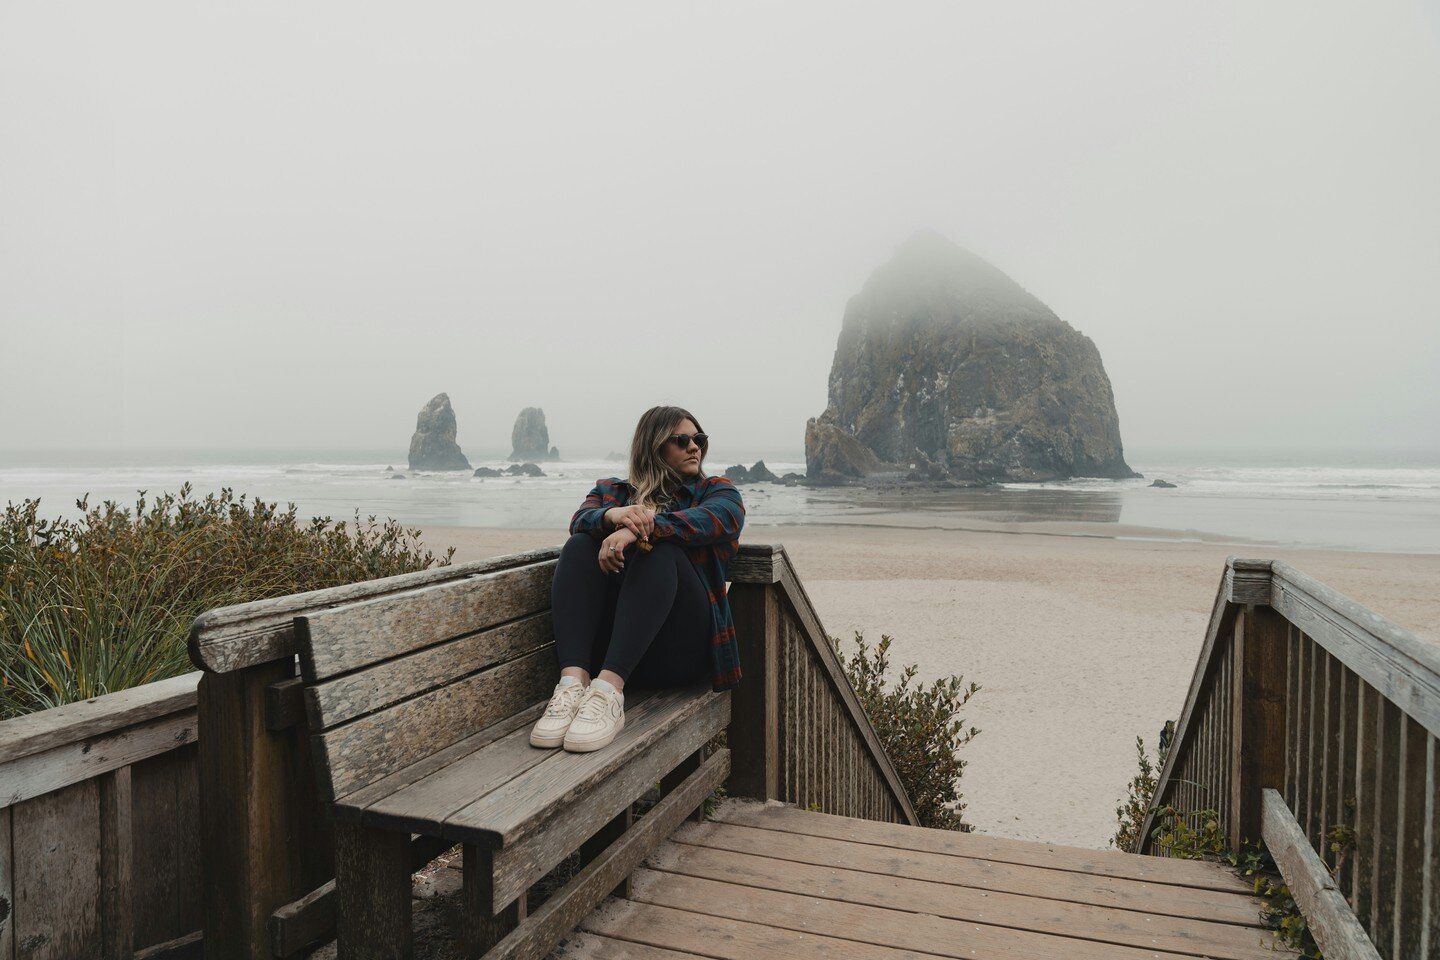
{"points": [[653, 479]]}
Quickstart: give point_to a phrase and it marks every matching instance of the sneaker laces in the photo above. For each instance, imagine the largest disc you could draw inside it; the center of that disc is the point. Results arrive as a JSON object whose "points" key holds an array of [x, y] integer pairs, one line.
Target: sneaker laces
{"points": [[561, 701], [594, 704]]}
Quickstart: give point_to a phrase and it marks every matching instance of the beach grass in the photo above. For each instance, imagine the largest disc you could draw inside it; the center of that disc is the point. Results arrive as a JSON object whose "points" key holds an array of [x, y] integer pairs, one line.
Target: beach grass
{"points": [[105, 602]]}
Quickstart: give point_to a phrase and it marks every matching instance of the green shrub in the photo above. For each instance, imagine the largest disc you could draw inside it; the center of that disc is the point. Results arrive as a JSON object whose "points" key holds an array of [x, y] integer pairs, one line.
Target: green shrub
{"points": [[105, 602], [1140, 795], [919, 726]]}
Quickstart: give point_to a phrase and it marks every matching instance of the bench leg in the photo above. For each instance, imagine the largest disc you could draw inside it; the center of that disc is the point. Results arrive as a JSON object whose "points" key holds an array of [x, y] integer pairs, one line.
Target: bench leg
{"points": [[372, 891], [602, 838], [677, 776], [480, 929]]}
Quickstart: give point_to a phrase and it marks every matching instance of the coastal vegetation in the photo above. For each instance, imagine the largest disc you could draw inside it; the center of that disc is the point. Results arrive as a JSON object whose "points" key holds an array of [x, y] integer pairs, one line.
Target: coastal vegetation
{"points": [[919, 726], [98, 604]]}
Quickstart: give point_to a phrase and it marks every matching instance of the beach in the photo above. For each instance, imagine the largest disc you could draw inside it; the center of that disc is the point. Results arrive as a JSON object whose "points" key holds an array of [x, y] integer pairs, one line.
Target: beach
{"points": [[1082, 636]]}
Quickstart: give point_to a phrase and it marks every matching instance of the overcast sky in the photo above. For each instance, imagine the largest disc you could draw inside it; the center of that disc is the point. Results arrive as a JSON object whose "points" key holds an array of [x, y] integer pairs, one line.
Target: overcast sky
{"points": [[268, 225]]}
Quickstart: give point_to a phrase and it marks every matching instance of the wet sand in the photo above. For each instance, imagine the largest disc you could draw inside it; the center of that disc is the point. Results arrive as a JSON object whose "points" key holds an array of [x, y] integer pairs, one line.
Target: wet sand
{"points": [[1079, 640]]}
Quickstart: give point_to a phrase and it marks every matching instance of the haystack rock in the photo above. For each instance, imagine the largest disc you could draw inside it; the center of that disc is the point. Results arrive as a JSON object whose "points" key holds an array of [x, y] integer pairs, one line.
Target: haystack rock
{"points": [[947, 369], [530, 439], [433, 446]]}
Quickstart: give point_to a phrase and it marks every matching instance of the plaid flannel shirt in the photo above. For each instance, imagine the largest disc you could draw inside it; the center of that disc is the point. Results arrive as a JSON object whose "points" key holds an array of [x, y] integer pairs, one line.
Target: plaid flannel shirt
{"points": [[705, 520]]}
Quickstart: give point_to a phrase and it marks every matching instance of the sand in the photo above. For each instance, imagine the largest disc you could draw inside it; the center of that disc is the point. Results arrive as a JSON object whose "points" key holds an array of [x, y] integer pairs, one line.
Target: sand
{"points": [[1080, 641]]}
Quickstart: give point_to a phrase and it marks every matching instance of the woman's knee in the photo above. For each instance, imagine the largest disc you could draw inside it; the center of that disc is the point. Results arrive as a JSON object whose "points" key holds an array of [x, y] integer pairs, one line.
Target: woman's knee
{"points": [[582, 544]]}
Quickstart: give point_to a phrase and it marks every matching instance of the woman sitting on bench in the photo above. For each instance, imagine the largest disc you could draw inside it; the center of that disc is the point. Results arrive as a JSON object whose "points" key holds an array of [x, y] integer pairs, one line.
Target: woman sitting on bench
{"points": [[639, 591]]}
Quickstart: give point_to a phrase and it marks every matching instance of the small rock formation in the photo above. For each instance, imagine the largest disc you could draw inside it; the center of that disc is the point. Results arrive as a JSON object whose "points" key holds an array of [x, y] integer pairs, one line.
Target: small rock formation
{"points": [[487, 472], [947, 370], [530, 439], [791, 479], [738, 473], [761, 473], [433, 446], [526, 469], [397, 476], [389, 468], [1163, 483]]}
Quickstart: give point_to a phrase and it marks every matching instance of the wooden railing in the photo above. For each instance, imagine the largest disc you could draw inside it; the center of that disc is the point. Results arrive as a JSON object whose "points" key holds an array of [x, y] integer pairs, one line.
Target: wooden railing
{"points": [[803, 736], [1312, 723], [99, 827]]}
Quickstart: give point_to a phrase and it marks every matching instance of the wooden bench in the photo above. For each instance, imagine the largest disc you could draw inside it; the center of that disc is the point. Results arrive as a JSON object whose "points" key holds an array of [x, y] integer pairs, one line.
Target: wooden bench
{"points": [[419, 706]]}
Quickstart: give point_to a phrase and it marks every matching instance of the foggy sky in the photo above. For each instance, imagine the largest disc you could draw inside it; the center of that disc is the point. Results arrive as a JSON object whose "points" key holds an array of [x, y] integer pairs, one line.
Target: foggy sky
{"points": [[271, 225]]}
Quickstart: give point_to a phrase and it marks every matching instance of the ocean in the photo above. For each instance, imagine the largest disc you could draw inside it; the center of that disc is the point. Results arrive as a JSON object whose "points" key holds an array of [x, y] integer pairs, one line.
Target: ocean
{"points": [[1390, 506]]}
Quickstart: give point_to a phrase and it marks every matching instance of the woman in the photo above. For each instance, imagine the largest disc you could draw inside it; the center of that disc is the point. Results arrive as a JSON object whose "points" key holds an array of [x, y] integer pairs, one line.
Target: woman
{"points": [[655, 614]]}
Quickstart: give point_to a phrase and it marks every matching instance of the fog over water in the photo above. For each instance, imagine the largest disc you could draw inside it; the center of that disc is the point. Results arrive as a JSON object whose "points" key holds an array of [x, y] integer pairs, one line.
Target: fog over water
{"points": [[288, 226]]}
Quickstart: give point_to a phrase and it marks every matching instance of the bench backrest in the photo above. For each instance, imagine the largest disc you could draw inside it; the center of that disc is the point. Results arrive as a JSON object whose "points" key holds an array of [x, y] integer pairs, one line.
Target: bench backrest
{"points": [[392, 680]]}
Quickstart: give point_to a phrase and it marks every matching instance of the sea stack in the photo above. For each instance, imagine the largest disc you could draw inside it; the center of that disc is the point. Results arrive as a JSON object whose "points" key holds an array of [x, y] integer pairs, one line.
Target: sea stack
{"points": [[946, 369], [530, 439], [433, 446]]}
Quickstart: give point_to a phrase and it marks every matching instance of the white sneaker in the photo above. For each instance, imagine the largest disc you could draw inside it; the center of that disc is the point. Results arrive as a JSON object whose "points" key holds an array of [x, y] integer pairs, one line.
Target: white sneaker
{"points": [[549, 730], [600, 717]]}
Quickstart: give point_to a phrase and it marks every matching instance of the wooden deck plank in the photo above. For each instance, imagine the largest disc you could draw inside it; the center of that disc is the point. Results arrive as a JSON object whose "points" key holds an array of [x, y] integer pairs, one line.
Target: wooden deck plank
{"points": [[1185, 873], [862, 923], [730, 939], [590, 946], [1124, 894], [1075, 920]]}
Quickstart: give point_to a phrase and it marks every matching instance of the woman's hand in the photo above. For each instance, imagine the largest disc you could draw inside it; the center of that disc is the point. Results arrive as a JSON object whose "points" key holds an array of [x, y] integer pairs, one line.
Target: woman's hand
{"points": [[612, 550], [635, 518]]}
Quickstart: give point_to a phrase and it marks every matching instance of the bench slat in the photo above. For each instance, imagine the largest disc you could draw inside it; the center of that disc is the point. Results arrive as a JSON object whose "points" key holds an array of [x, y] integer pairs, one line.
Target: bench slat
{"points": [[561, 826], [514, 810], [335, 701], [360, 634], [348, 808], [425, 804], [362, 751]]}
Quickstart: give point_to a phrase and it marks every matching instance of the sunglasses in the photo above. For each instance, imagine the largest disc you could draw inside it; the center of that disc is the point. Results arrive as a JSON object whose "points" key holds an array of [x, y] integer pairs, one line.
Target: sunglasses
{"points": [[682, 440]]}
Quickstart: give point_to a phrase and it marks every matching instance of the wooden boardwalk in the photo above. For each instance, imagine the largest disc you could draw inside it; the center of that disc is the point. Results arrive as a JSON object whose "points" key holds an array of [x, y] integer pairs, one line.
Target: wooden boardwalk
{"points": [[766, 880]]}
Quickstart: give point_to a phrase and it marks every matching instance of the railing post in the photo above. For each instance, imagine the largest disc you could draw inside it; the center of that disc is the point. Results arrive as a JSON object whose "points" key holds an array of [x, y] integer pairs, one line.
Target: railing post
{"points": [[1257, 703], [754, 732]]}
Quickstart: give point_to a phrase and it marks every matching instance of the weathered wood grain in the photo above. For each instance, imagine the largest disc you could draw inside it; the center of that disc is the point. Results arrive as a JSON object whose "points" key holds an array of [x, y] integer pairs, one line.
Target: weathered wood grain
{"points": [[366, 691], [351, 807], [1334, 926], [358, 753], [756, 563], [75, 722], [517, 808], [1257, 711], [817, 640], [1037, 914], [589, 946], [116, 887], [860, 924], [482, 927], [1053, 883], [57, 874], [533, 939], [7, 888], [189, 947], [39, 773], [1105, 863], [372, 885], [562, 826], [285, 704], [755, 723], [360, 634], [231, 638], [1397, 663]]}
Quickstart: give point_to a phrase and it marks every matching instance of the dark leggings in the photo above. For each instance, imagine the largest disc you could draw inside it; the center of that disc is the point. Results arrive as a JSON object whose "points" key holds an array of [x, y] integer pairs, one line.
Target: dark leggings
{"points": [[650, 623]]}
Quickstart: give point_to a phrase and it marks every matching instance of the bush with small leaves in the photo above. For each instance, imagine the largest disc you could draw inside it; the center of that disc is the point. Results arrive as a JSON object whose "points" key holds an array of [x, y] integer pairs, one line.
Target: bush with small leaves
{"points": [[919, 726]]}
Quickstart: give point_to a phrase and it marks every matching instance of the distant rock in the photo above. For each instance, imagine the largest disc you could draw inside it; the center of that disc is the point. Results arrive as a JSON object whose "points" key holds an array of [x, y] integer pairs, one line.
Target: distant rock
{"points": [[738, 473], [761, 473], [530, 439], [389, 468], [791, 479], [433, 446], [1163, 483], [526, 469], [616, 456], [946, 369], [397, 476], [487, 472]]}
